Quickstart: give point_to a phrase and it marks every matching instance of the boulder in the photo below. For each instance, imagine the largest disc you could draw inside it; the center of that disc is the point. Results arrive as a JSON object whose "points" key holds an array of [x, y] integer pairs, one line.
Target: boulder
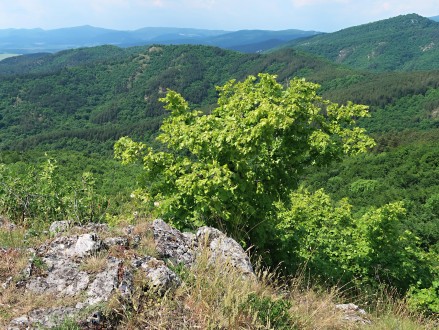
{"points": [[42, 318], [225, 249], [63, 277], [104, 284], [172, 244], [159, 277]]}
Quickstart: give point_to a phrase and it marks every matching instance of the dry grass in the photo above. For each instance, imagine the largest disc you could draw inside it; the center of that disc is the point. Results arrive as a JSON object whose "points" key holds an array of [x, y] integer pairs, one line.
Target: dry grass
{"points": [[212, 296], [389, 312], [95, 263], [16, 302], [12, 262], [147, 246], [217, 296]]}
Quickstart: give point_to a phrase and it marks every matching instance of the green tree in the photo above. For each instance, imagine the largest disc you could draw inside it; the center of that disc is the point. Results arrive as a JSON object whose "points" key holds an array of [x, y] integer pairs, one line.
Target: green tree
{"points": [[345, 248], [227, 168]]}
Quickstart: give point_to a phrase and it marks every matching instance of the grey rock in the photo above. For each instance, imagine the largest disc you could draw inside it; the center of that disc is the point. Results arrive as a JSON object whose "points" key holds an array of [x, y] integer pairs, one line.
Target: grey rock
{"points": [[61, 246], [94, 321], [59, 227], [39, 318], [112, 241], [64, 278], [184, 247], [27, 271], [87, 244], [7, 283], [72, 246], [95, 227], [136, 241], [225, 249], [172, 244], [128, 230], [105, 283], [159, 277], [61, 273], [353, 313]]}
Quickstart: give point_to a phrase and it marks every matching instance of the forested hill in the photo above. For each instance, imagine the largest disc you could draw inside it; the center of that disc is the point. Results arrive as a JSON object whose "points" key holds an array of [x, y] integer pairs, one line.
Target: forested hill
{"points": [[86, 98], [405, 43], [61, 114]]}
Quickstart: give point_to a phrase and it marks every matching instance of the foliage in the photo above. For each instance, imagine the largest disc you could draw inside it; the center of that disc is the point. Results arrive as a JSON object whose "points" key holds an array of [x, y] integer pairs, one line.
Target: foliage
{"points": [[85, 99], [273, 313], [40, 194], [406, 173], [227, 168], [426, 299], [372, 249]]}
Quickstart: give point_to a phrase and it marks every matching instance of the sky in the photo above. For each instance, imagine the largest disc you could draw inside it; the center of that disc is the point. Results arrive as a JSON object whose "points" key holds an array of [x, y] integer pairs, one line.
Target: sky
{"points": [[230, 15]]}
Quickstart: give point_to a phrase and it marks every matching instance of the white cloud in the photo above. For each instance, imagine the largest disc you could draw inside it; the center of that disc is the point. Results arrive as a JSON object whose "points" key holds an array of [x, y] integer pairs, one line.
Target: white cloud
{"points": [[322, 15]]}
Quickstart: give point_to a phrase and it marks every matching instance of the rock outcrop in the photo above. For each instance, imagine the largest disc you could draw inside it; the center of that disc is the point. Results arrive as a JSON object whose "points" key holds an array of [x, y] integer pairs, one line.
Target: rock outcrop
{"points": [[59, 267], [184, 247], [84, 268]]}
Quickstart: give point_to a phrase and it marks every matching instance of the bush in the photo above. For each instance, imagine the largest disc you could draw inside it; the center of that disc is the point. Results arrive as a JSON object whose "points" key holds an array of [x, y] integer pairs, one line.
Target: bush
{"points": [[227, 168]]}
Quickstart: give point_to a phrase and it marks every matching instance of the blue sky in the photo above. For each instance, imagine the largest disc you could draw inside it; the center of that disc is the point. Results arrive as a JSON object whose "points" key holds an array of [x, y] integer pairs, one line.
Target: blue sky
{"points": [[319, 15]]}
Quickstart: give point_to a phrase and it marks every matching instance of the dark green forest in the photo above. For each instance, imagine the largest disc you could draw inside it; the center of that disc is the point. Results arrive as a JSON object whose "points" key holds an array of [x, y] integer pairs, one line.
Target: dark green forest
{"points": [[61, 114], [403, 43]]}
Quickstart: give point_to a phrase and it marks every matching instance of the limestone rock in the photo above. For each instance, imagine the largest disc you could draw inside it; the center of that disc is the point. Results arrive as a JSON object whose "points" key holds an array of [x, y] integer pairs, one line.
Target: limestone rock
{"points": [[172, 244], [7, 283], [56, 267], [39, 318], [184, 247], [59, 227], [159, 277], [64, 278], [353, 313], [112, 241], [225, 249], [104, 284], [86, 245]]}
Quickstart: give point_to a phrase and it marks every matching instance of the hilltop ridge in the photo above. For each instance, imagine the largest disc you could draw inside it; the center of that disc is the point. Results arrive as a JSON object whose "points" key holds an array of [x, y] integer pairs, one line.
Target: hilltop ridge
{"points": [[402, 43]]}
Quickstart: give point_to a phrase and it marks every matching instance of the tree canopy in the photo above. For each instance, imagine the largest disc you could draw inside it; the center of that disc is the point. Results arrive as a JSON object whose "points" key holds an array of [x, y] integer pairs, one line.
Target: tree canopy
{"points": [[227, 168]]}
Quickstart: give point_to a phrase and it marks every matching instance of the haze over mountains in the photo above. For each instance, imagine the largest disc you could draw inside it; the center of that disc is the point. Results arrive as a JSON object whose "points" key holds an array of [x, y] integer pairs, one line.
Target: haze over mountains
{"points": [[406, 42], [26, 41]]}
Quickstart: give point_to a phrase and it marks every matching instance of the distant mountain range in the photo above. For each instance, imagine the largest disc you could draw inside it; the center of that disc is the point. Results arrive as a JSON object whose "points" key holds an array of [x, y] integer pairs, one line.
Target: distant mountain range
{"points": [[402, 43], [406, 42], [26, 41]]}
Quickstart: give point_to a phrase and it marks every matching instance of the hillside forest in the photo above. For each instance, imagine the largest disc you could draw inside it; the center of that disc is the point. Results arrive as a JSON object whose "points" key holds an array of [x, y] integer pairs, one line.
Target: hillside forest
{"points": [[310, 161]]}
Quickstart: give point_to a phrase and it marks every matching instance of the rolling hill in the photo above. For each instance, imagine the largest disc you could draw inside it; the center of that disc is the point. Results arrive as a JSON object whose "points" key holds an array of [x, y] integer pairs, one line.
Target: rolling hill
{"points": [[86, 98], [403, 43]]}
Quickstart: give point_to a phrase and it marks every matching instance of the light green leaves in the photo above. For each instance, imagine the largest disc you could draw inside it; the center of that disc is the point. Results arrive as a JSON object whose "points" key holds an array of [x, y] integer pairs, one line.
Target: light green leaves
{"points": [[227, 168]]}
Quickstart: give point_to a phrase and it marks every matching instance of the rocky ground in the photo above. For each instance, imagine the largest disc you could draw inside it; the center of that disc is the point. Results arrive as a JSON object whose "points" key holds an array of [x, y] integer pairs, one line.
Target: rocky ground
{"points": [[81, 269]]}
